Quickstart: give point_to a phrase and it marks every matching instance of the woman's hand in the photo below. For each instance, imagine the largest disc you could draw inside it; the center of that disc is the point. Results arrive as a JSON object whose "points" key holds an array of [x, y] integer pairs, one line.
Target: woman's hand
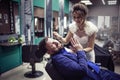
{"points": [[57, 36], [76, 45], [55, 33]]}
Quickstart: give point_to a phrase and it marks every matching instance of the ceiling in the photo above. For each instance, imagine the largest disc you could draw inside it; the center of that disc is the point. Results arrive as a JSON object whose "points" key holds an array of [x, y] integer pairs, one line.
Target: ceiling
{"points": [[97, 2]]}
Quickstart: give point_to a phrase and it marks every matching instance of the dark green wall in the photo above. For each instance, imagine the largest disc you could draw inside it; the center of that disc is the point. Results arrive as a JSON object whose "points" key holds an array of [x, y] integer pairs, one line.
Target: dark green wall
{"points": [[39, 3]]}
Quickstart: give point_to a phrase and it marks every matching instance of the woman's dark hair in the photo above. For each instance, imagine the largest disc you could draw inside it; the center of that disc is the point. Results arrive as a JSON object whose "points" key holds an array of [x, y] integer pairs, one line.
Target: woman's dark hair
{"points": [[42, 48], [80, 7]]}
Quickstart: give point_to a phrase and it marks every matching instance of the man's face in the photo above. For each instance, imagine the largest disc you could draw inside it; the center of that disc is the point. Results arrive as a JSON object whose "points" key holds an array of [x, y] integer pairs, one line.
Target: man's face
{"points": [[53, 45]]}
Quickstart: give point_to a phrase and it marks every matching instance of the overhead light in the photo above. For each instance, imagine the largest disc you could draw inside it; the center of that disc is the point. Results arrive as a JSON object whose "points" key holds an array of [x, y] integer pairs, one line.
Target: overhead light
{"points": [[87, 2], [112, 2], [103, 1]]}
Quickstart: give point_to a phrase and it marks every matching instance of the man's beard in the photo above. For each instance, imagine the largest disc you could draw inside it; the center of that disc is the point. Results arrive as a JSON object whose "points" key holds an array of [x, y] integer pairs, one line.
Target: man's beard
{"points": [[59, 49]]}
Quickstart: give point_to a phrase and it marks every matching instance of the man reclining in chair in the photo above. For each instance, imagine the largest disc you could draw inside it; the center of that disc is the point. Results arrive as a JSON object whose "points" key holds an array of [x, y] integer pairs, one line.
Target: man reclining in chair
{"points": [[72, 63]]}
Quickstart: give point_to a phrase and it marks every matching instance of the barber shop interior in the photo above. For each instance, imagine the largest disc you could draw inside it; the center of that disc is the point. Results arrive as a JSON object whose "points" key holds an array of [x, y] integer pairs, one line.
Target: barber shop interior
{"points": [[25, 23]]}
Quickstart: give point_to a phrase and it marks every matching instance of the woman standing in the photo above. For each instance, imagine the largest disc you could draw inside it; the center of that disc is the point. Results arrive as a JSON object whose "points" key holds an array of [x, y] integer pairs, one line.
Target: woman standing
{"points": [[83, 30]]}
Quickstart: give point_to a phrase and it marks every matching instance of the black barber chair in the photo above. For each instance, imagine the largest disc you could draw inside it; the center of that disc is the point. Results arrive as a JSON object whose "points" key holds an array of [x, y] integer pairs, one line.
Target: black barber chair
{"points": [[104, 57], [28, 55], [52, 71]]}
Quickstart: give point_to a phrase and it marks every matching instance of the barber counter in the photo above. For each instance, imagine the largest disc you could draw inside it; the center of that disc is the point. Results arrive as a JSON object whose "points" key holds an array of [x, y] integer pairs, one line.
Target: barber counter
{"points": [[10, 57]]}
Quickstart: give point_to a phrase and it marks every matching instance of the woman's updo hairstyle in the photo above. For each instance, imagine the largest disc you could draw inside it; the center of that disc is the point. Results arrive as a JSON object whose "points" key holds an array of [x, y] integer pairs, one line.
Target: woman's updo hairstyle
{"points": [[80, 8]]}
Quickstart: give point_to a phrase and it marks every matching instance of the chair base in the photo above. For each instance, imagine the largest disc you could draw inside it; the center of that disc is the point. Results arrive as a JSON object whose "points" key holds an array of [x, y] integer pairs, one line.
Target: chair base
{"points": [[36, 74]]}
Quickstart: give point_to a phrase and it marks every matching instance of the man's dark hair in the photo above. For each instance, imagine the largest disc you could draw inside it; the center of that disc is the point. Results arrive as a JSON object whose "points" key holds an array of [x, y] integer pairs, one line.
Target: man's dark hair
{"points": [[42, 48]]}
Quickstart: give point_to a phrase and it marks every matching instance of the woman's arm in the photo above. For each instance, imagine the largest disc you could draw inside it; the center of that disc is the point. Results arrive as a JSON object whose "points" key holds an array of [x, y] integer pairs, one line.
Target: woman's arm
{"points": [[63, 40]]}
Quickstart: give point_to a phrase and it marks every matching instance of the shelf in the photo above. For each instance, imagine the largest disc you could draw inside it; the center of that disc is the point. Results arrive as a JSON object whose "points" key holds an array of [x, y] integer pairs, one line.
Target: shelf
{"points": [[9, 44]]}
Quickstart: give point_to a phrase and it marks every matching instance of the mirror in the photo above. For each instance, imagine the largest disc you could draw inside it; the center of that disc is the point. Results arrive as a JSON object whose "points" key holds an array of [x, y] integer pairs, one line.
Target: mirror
{"points": [[39, 27]]}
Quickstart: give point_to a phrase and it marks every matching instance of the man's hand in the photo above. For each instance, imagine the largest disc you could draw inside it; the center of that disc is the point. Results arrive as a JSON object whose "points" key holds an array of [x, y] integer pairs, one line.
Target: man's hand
{"points": [[76, 45]]}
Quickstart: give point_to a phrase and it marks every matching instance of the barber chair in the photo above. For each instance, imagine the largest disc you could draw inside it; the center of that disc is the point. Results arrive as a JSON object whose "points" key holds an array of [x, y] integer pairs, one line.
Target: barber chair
{"points": [[28, 55], [103, 57], [52, 72]]}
